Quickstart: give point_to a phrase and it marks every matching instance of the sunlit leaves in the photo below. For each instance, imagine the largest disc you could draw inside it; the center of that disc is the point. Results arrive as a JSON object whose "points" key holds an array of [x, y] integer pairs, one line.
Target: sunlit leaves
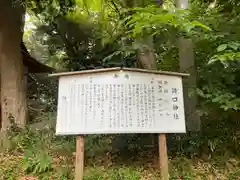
{"points": [[222, 47], [111, 30], [44, 6], [103, 15], [198, 24], [234, 45], [151, 19], [226, 52]]}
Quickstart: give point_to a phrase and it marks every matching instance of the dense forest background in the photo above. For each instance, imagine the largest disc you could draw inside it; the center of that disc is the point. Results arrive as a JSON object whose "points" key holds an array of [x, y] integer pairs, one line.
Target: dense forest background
{"points": [[81, 35], [202, 40]]}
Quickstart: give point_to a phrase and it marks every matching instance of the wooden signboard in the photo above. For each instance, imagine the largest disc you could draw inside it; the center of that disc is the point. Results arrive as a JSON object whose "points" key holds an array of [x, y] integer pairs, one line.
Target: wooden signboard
{"points": [[120, 100]]}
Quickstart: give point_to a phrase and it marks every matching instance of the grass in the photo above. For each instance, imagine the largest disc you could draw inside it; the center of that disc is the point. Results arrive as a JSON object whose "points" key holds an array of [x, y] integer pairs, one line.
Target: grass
{"points": [[42, 155]]}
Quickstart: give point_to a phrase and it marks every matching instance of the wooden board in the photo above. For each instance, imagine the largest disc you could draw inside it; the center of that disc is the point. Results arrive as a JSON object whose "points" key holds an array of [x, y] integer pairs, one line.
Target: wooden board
{"points": [[120, 102], [94, 71]]}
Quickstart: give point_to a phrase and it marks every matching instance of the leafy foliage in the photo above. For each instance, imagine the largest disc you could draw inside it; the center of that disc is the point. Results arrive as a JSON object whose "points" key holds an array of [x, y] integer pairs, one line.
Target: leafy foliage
{"points": [[86, 35], [89, 35], [212, 153], [37, 162]]}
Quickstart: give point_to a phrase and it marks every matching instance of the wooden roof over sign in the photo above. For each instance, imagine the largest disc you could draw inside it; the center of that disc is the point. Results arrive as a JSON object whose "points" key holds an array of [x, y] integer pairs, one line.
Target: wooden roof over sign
{"points": [[119, 69], [33, 65]]}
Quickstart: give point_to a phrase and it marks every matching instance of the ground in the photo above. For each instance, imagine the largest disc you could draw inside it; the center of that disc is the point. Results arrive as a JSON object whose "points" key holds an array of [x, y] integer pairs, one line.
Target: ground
{"points": [[39, 154]]}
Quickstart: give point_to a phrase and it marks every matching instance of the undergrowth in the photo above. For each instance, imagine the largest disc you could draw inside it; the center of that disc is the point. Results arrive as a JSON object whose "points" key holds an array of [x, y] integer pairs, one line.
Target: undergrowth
{"points": [[211, 154]]}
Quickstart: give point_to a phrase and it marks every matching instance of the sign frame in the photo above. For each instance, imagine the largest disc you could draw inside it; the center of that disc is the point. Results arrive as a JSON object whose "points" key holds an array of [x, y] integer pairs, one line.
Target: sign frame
{"points": [[163, 159]]}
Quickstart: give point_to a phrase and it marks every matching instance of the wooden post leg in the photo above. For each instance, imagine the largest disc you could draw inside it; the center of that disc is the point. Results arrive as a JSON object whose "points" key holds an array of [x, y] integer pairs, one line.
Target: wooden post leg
{"points": [[79, 158], [163, 158]]}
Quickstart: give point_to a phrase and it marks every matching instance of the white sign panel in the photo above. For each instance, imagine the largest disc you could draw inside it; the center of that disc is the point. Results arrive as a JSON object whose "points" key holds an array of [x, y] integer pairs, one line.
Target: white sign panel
{"points": [[120, 102]]}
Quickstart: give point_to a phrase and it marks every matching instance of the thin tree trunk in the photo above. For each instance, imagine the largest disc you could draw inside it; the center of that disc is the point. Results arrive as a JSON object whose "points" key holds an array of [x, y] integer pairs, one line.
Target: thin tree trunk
{"points": [[0, 95], [146, 58], [187, 64], [13, 95]]}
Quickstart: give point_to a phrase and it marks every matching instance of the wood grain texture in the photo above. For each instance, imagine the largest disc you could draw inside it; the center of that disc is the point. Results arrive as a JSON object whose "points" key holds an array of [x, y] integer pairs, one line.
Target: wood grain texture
{"points": [[118, 69], [163, 158], [79, 166]]}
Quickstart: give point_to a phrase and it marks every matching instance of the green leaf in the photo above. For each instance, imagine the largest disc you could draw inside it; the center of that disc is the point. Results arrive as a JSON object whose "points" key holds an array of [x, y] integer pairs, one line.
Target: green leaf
{"points": [[213, 60], [109, 57], [222, 58], [222, 47], [197, 23], [200, 92], [234, 45]]}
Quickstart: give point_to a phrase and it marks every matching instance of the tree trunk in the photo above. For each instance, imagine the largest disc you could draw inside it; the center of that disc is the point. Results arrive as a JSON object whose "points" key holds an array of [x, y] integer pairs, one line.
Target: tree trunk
{"points": [[187, 64], [146, 58], [0, 95], [13, 95]]}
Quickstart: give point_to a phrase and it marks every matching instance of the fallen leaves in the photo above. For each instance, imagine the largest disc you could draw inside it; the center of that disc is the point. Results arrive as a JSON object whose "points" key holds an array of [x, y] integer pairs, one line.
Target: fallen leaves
{"points": [[28, 178]]}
